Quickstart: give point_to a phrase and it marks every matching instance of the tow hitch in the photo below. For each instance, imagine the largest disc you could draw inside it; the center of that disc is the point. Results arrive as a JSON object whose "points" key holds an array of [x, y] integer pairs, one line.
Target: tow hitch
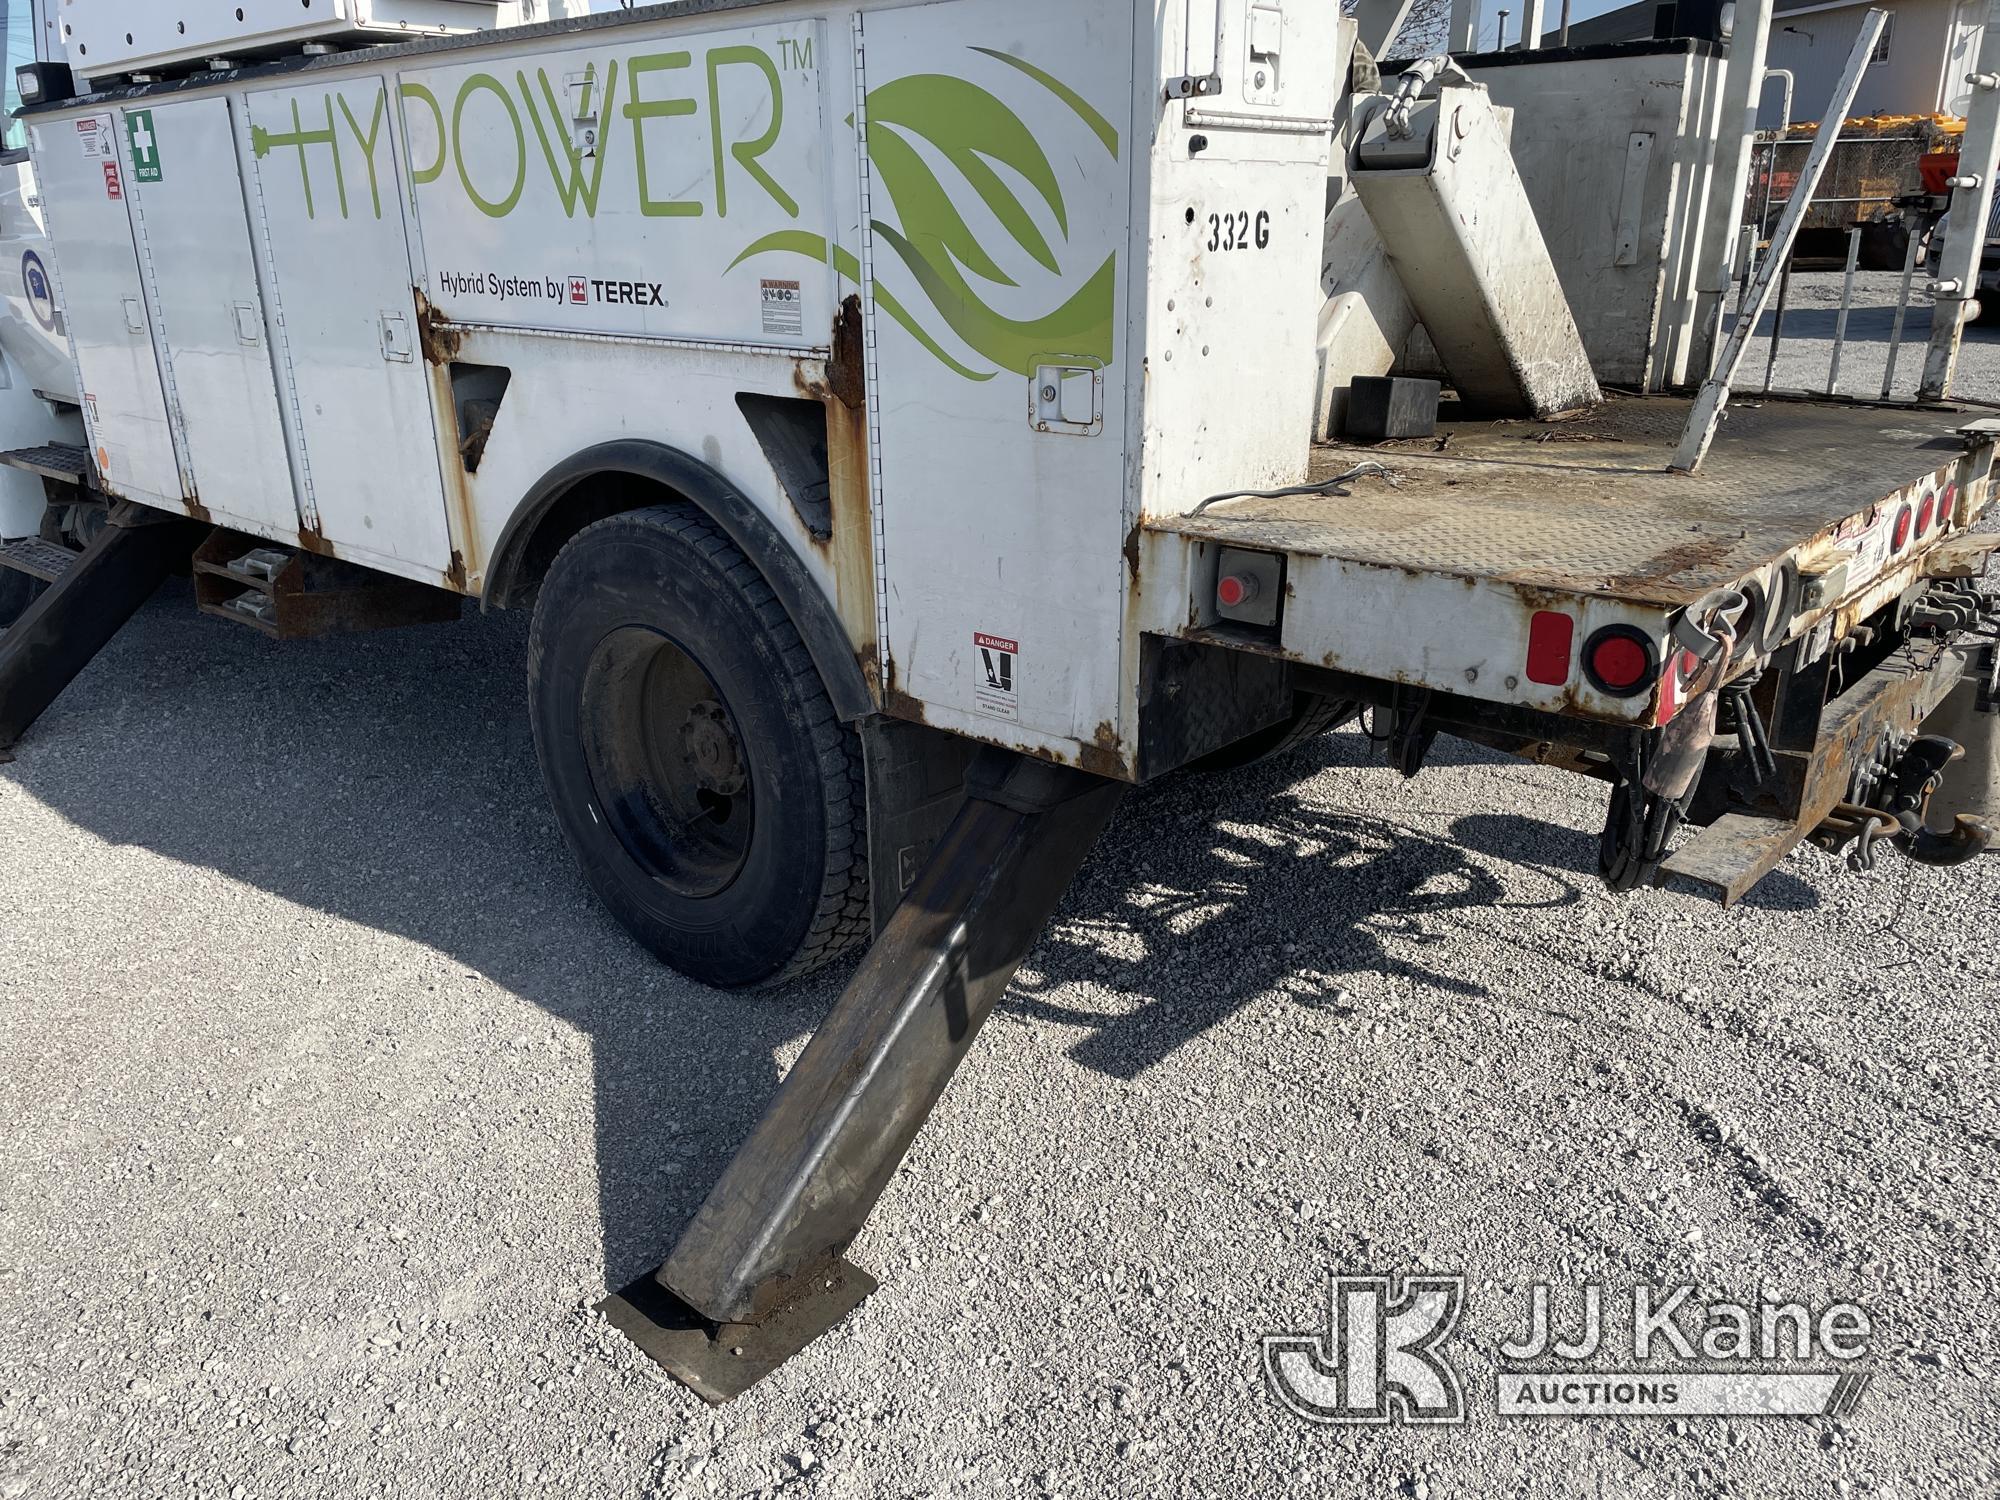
{"points": [[1935, 796], [761, 1271]]}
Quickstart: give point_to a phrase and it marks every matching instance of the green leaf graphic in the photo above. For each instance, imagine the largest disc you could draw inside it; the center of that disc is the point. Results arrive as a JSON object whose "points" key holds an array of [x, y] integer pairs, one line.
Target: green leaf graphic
{"points": [[925, 207], [1080, 328], [971, 130], [968, 126], [1099, 126]]}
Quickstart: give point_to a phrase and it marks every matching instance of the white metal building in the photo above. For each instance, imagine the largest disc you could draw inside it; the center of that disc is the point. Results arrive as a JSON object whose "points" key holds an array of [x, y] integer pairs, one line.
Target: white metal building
{"points": [[1919, 67]]}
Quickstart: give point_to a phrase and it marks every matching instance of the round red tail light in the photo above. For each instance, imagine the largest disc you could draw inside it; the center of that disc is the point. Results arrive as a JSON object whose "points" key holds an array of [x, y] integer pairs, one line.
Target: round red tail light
{"points": [[1926, 513], [1619, 660], [1236, 590], [1948, 504], [1900, 537]]}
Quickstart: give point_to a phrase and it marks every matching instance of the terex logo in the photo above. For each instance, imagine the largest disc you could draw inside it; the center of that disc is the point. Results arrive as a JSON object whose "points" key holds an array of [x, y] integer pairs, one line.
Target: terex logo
{"points": [[585, 290]]}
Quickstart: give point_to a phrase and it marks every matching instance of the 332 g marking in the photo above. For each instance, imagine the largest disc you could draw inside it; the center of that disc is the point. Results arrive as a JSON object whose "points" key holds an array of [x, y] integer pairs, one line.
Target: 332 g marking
{"points": [[1240, 231]]}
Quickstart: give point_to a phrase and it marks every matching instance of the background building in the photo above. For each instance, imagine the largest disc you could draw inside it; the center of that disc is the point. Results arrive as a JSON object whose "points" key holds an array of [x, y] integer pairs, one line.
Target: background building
{"points": [[1919, 67]]}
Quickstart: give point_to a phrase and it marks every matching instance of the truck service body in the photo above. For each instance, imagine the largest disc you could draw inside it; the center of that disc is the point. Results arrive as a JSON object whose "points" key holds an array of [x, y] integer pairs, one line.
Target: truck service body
{"points": [[899, 416]]}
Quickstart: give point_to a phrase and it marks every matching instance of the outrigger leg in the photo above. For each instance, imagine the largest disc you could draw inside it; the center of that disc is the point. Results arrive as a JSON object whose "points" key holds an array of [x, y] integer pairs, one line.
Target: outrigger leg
{"points": [[761, 1271], [57, 636]]}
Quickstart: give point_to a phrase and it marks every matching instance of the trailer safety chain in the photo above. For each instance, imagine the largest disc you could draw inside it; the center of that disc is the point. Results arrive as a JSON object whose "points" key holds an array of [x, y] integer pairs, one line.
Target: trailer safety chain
{"points": [[1859, 829], [1639, 826], [1748, 724], [1336, 486], [1408, 740], [1890, 798]]}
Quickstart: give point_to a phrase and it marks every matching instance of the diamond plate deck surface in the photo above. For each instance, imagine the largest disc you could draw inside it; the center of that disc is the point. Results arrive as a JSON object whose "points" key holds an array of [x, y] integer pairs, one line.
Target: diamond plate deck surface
{"points": [[65, 461], [1585, 505]]}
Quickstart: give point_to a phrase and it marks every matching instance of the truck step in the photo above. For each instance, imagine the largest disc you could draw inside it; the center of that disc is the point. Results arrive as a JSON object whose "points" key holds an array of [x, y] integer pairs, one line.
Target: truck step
{"points": [[258, 608], [1733, 854], [66, 462], [47, 561], [293, 595]]}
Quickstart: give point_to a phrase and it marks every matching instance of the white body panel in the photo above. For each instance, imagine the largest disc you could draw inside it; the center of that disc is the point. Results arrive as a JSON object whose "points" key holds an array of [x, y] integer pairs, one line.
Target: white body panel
{"points": [[1464, 241], [136, 36], [201, 276], [348, 342], [1008, 611], [1079, 301], [627, 162], [1235, 259], [99, 288], [1610, 152]]}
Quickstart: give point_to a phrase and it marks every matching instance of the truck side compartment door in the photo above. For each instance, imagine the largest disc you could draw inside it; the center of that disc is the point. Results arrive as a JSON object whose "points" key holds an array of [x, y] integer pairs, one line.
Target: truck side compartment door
{"points": [[83, 183], [194, 246], [336, 243], [1001, 353]]}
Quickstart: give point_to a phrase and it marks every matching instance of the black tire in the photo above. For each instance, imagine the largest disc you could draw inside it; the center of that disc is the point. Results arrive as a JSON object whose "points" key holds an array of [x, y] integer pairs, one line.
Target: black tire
{"points": [[711, 796], [1312, 716], [17, 592]]}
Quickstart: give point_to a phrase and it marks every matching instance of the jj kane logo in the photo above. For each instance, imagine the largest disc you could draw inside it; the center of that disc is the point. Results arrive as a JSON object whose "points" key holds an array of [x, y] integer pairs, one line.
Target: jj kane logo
{"points": [[1385, 1355]]}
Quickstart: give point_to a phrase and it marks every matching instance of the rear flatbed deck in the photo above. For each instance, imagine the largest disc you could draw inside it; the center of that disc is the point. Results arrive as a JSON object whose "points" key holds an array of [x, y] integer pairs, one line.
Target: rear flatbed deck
{"points": [[1586, 505], [1434, 574]]}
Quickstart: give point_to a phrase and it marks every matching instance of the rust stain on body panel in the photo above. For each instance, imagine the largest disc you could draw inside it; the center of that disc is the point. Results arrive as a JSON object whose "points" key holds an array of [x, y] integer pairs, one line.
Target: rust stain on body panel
{"points": [[442, 343], [840, 386]]}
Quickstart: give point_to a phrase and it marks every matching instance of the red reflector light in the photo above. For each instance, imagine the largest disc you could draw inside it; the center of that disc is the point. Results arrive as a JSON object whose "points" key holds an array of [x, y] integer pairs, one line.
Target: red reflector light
{"points": [[1948, 505], [1236, 590], [1926, 513], [1619, 661], [1900, 537], [1551, 637]]}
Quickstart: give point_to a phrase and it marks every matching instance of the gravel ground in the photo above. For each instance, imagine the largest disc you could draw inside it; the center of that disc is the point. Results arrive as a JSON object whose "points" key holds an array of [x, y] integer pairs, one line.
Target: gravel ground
{"points": [[332, 1103]]}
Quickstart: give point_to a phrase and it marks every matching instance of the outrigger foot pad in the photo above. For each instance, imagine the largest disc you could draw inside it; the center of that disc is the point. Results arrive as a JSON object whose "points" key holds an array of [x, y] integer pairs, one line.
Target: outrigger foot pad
{"points": [[760, 1271], [720, 1361]]}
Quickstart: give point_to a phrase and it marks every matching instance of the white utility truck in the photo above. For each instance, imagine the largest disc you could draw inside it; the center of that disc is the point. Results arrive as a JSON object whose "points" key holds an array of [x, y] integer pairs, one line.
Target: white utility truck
{"points": [[900, 418]]}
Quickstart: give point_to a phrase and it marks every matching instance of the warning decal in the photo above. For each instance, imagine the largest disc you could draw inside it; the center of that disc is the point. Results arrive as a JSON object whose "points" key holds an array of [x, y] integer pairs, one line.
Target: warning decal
{"points": [[999, 669], [93, 135], [784, 310]]}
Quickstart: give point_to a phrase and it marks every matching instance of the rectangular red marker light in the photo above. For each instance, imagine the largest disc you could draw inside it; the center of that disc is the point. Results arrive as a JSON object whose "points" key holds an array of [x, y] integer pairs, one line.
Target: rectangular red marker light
{"points": [[1551, 645]]}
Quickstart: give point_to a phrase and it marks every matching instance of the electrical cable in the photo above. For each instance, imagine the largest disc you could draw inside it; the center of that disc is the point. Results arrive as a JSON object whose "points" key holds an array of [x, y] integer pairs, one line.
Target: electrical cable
{"points": [[1327, 488]]}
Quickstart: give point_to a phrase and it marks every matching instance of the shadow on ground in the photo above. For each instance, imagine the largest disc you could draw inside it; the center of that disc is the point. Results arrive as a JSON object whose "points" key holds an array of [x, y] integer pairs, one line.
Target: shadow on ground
{"points": [[389, 780]]}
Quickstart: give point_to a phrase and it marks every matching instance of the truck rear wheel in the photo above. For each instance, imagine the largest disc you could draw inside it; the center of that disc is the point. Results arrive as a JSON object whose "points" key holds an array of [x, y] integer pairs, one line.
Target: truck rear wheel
{"points": [[17, 592], [711, 796], [1312, 716]]}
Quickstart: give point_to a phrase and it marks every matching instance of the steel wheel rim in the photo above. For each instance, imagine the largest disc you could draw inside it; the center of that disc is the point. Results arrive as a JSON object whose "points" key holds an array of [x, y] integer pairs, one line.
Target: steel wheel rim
{"points": [[666, 760]]}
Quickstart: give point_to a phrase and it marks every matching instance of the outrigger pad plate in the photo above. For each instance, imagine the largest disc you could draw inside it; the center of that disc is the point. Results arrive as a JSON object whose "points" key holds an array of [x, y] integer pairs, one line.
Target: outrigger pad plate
{"points": [[720, 1363]]}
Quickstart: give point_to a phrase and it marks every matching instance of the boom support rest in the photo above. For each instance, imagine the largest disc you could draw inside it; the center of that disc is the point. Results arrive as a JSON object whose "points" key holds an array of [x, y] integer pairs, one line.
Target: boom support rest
{"points": [[63, 630], [758, 1274]]}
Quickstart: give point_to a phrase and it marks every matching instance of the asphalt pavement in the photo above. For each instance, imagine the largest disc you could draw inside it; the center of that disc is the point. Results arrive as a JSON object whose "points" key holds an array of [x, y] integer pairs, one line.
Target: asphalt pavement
{"points": [[331, 1103]]}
